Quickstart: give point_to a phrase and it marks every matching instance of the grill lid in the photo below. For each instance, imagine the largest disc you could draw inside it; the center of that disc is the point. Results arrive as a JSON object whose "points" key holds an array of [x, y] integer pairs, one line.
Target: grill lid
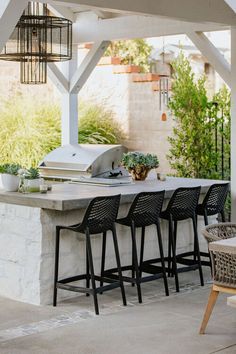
{"points": [[86, 159]]}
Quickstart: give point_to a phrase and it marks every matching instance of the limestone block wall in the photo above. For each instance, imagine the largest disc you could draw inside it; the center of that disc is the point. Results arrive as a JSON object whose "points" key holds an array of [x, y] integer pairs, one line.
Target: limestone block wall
{"points": [[20, 252]]}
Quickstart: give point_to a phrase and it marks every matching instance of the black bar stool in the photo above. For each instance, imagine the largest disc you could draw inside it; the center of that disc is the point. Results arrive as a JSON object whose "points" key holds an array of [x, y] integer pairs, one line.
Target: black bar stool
{"points": [[144, 211], [182, 206], [213, 204], [99, 217]]}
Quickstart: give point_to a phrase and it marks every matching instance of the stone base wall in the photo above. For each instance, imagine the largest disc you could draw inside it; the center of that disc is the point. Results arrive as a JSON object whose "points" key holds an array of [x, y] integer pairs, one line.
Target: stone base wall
{"points": [[27, 241], [20, 252]]}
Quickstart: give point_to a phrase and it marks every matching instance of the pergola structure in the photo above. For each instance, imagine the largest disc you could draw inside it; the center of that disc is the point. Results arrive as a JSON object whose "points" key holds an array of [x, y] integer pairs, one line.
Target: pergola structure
{"points": [[100, 21]]}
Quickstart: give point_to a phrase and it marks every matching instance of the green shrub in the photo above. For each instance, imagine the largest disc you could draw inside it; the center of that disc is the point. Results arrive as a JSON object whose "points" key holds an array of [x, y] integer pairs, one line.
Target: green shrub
{"points": [[200, 144], [30, 130], [191, 145], [97, 125]]}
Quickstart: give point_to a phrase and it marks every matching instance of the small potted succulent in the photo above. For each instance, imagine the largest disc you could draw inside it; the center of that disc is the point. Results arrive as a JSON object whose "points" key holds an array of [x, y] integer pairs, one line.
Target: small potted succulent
{"points": [[10, 178], [32, 179], [139, 164]]}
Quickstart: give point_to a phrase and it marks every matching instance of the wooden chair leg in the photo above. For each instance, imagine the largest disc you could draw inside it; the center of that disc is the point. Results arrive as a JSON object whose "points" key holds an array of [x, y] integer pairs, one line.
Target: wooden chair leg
{"points": [[210, 305]]}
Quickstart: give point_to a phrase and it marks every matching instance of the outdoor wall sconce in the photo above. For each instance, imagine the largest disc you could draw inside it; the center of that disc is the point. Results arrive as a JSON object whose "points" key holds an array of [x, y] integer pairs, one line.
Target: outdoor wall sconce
{"points": [[38, 39]]}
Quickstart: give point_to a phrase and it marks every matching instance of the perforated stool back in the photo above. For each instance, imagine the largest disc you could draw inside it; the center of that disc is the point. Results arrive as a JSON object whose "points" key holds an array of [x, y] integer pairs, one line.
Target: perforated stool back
{"points": [[183, 203], [101, 214], [145, 209], [214, 201]]}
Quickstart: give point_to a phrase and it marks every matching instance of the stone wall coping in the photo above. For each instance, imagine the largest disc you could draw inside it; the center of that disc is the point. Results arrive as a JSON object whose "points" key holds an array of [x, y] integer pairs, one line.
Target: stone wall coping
{"points": [[148, 77], [126, 69], [65, 196]]}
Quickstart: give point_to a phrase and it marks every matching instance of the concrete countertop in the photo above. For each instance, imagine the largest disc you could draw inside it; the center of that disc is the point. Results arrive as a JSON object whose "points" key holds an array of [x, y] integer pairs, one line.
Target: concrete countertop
{"points": [[65, 196]]}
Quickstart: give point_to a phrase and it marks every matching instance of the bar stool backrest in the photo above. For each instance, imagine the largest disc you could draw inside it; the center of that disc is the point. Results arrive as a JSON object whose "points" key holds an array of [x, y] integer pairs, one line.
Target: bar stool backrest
{"points": [[146, 208], [215, 198], [183, 203], [101, 214]]}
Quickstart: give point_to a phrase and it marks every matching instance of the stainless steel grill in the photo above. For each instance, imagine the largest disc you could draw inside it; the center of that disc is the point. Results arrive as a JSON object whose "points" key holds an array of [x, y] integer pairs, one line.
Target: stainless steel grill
{"points": [[72, 161]]}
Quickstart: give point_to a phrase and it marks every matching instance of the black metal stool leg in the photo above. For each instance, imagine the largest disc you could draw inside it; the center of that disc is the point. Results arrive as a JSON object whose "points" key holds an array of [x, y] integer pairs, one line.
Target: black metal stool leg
{"points": [[205, 218], [222, 215], [162, 258], [133, 267], [169, 254], [194, 243], [197, 250], [141, 251], [87, 271], [90, 259], [135, 256], [57, 245], [175, 240], [104, 241], [173, 246], [116, 248]]}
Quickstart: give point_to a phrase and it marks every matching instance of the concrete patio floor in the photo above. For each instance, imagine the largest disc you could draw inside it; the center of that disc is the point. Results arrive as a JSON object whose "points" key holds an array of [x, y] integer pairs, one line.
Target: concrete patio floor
{"points": [[161, 325]]}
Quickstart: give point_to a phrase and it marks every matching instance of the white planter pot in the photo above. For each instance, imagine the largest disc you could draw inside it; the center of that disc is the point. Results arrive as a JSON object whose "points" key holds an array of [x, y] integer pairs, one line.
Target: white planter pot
{"points": [[33, 184], [10, 182]]}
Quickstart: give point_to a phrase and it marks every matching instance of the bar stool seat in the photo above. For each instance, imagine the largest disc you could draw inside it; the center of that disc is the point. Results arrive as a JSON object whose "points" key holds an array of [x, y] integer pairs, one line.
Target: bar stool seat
{"points": [[99, 217], [182, 206], [143, 212]]}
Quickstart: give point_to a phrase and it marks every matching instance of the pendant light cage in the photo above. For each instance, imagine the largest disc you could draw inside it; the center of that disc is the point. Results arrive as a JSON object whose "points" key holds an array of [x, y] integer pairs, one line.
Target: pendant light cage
{"points": [[33, 71], [38, 39]]}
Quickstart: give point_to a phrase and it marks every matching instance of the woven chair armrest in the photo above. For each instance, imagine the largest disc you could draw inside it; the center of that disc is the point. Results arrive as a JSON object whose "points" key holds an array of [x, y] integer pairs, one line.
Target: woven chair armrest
{"points": [[216, 232]]}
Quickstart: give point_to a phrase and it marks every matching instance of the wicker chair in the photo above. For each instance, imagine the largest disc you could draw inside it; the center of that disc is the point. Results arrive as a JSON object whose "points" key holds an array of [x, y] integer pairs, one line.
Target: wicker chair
{"points": [[222, 247]]}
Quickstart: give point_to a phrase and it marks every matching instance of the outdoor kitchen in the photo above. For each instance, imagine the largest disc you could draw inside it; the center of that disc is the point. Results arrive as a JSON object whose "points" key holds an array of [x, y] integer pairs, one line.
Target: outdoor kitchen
{"points": [[117, 177], [29, 220]]}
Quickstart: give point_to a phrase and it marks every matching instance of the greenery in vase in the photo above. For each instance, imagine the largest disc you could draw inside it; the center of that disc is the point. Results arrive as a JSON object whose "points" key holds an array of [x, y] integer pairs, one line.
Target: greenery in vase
{"points": [[11, 169], [132, 160], [32, 173]]}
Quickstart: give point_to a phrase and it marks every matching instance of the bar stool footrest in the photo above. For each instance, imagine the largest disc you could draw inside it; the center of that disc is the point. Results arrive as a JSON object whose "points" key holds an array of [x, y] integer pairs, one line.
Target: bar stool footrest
{"points": [[63, 284]]}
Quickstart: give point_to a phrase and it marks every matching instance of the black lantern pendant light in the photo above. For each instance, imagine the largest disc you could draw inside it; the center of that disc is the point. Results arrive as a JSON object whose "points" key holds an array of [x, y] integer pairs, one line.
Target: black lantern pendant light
{"points": [[38, 39]]}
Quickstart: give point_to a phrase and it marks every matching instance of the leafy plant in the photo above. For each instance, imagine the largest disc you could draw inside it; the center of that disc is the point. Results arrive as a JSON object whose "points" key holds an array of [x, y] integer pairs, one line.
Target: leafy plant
{"points": [[11, 169], [32, 173], [134, 159], [191, 153], [133, 51]]}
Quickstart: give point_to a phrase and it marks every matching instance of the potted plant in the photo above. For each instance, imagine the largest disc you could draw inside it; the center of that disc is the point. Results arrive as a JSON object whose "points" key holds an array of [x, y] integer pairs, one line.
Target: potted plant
{"points": [[10, 178], [32, 179], [139, 164]]}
